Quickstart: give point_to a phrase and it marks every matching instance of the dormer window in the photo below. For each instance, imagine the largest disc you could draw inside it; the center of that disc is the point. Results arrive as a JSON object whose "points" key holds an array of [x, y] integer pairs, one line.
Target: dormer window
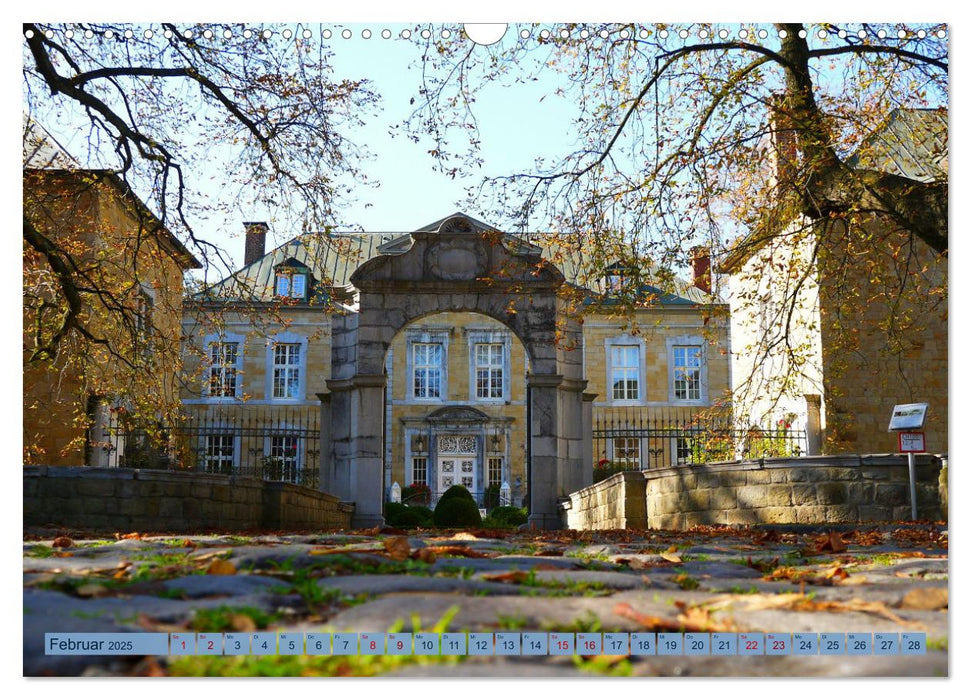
{"points": [[291, 282], [616, 277]]}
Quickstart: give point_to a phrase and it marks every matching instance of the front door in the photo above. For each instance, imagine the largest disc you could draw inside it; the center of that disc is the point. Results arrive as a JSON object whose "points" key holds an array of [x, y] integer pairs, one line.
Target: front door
{"points": [[456, 469]]}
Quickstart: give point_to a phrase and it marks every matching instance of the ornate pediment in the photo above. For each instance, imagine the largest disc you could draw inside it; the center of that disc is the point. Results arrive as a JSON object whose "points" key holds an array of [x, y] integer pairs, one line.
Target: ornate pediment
{"points": [[451, 414], [456, 251]]}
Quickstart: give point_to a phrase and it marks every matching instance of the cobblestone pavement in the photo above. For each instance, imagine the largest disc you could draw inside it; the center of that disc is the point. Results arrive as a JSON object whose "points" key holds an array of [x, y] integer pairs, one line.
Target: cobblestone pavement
{"points": [[888, 579]]}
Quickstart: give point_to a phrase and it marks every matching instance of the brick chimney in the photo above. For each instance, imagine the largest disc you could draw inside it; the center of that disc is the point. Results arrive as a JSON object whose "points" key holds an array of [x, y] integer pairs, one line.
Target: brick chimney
{"points": [[255, 241], [701, 268], [785, 150]]}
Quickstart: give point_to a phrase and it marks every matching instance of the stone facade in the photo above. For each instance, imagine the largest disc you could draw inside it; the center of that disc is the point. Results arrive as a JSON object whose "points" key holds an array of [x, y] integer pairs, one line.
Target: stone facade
{"points": [[845, 318], [463, 289], [97, 221], [164, 501], [805, 491]]}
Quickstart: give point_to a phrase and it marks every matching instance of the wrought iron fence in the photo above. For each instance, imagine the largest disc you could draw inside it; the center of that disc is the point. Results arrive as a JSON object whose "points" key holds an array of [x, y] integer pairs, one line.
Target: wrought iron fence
{"points": [[639, 438], [486, 498], [272, 444]]}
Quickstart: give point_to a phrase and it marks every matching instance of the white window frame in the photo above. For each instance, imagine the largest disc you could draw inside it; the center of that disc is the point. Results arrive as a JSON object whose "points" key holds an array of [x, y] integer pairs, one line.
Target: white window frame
{"points": [[411, 469], [287, 338], [489, 337], [215, 432], [688, 340], [298, 458], [287, 276], [616, 459], [674, 449], [488, 469], [626, 340], [427, 337], [225, 338]]}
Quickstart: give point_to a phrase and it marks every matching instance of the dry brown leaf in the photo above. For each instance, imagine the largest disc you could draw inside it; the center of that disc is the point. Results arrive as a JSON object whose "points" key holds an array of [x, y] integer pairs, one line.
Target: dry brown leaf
{"points": [[189, 543], [674, 558], [62, 541], [221, 567], [424, 554], [837, 573], [925, 599], [507, 577], [129, 536], [242, 623], [397, 548], [199, 558], [673, 548], [62, 555]]}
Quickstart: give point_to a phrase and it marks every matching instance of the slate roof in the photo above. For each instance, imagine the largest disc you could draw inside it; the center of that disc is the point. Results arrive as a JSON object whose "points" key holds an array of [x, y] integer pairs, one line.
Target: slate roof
{"points": [[912, 143], [333, 257]]}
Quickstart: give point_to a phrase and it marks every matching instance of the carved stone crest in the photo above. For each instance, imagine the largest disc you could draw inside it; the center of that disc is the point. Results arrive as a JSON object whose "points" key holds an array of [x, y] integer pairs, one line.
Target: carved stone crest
{"points": [[455, 259]]}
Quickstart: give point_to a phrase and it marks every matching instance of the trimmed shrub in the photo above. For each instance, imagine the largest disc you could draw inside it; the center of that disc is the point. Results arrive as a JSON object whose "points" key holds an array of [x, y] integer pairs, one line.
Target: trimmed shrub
{"points": [[457, 512], [415, 516], [457, 492], [392, 511], [508, 516]]}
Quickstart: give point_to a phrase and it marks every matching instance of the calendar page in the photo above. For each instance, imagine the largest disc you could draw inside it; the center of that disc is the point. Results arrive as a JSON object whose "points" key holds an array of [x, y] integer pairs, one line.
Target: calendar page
{"points": [[539, 349]]}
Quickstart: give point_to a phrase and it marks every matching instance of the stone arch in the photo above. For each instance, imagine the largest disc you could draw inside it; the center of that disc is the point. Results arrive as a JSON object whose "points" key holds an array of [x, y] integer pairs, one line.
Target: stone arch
{"points": [[457, 267]]}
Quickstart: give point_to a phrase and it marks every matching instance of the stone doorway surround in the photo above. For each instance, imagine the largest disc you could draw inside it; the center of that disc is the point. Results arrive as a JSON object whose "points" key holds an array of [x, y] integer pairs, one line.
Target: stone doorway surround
{"points": [[460, 266]]}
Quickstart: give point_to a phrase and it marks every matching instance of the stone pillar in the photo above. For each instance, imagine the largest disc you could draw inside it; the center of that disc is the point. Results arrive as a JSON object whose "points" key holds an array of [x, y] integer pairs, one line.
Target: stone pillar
{"points": [[575, 470], [588, 459], [367, 464], [544, 450], [326, 479], [814, 431], [341, 436]]}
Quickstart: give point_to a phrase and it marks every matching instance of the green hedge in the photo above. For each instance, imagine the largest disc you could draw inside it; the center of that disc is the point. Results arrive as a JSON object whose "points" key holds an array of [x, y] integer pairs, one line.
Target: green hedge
{"points": [[457, 508]]}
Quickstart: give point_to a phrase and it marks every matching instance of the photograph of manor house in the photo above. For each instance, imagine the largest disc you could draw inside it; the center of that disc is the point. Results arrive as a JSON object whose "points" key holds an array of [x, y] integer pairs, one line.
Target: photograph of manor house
{"points": [[451, 392]]}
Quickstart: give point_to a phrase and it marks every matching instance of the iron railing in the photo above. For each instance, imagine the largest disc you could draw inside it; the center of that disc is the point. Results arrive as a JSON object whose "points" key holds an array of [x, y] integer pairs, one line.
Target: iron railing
{"points": [[636, 438], [273, 444], [484, 499]]}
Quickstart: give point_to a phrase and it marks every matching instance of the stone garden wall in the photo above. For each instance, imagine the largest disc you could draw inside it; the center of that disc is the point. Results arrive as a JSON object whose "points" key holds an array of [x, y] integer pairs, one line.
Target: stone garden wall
{"points": [[802, 490], [148, 500], [615, 503]]}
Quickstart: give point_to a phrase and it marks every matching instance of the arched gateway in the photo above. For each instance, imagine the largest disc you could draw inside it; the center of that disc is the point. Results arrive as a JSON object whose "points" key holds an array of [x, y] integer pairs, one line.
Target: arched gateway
{"points": [[458, 267]]}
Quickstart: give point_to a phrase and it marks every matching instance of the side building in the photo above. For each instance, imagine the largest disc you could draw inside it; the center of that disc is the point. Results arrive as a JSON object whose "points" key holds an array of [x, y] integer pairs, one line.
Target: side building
{"points": [[93, 249]]}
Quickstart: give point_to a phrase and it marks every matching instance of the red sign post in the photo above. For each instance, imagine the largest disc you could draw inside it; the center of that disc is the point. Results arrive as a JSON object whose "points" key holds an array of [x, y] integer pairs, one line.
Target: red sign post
{"points": [[910, 441]]}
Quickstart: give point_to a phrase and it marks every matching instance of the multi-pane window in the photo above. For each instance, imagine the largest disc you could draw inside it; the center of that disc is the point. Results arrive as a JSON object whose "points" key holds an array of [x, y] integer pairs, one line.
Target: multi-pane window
{"points": [[627, 452], [222, 368], [286, 371], [219, 454], [625, 371], [427, 370], [687, 372], [291, 284], [419, 470], [284, 465], [488, 370], [682, 449], [495, 470]]}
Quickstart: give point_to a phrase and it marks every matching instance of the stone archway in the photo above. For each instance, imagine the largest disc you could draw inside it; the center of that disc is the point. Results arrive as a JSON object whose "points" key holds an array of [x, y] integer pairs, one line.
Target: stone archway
{"points": [[458, 267]]}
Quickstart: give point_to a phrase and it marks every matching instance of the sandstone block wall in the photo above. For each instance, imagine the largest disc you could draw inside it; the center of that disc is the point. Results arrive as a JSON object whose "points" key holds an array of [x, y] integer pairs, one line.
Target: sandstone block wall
{"points": [[802, 490], [615, 503], [147, 500]]}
